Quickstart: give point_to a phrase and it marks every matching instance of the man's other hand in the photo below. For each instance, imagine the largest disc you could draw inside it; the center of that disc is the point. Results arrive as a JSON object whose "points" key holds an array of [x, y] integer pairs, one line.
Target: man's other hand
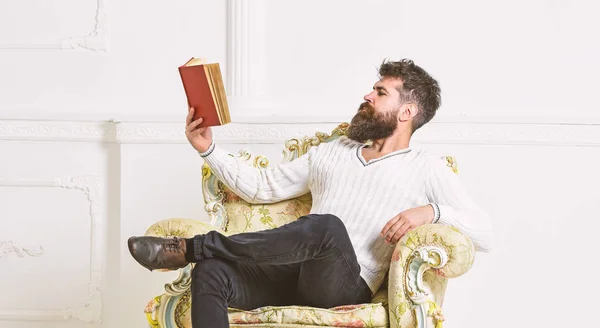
{"points": [[199, 138], [404, 222]]}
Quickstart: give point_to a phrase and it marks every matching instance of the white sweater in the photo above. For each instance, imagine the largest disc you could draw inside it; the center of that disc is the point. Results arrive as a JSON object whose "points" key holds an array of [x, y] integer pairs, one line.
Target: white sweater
{"points": [[364, 195]]}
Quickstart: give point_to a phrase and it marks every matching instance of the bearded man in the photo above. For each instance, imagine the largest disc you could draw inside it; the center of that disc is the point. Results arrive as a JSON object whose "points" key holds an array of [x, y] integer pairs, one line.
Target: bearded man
{"points": [[366, 196]]}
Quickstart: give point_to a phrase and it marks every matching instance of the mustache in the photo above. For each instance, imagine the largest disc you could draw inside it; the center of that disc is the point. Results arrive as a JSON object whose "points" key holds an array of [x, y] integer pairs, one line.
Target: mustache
{"points": [[366, 106], [365, 111]]}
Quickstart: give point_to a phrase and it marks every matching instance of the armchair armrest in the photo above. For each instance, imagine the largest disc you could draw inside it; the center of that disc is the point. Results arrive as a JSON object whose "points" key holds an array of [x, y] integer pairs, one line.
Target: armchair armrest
{"points": [[184, 228], [422, 262], [156, 310]]}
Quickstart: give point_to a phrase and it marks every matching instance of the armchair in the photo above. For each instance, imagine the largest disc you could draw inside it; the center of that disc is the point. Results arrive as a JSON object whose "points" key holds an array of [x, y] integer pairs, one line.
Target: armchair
{"points": [[421, 264]]}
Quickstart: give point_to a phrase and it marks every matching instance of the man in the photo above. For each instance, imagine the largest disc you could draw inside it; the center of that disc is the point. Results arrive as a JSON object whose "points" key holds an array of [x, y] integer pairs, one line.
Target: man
{"points": [[365, 198]]}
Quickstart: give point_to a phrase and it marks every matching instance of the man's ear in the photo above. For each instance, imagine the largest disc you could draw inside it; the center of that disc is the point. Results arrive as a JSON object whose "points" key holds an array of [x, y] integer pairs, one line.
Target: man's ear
{"points": [[407, 112]]}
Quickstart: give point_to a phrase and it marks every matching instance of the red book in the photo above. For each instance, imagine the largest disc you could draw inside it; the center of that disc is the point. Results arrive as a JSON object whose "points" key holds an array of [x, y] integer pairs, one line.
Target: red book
{"points": [[203, 86]]}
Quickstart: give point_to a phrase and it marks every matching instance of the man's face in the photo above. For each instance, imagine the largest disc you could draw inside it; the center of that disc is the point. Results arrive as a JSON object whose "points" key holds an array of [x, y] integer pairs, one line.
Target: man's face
{"points": [[377, 117]]}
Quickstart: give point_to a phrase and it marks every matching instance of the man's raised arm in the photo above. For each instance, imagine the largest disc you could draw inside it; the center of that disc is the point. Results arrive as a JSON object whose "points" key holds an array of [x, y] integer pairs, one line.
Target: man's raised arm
{"points": [[264, 185], [252, 184]]}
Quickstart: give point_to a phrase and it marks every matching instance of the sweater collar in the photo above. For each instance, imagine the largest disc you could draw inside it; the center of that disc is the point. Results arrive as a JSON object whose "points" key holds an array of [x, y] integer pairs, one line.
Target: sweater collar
{"points": [[379, 159]]}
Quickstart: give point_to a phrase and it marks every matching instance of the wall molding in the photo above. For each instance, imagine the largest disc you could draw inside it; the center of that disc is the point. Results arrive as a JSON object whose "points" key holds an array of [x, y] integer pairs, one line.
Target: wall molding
{"points": [[435, 133], [9, 247], [230, 133], [57, 130], [237, 48], [90, 309], [510, 134], [96, 40], [245, 53], [449, 130]]}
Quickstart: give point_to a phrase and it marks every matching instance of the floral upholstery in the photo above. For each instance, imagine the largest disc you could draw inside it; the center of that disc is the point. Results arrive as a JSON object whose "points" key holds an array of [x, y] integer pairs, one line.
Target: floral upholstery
{"points": [[421, 263], [246, 217], [373, 314], [362, 315]]}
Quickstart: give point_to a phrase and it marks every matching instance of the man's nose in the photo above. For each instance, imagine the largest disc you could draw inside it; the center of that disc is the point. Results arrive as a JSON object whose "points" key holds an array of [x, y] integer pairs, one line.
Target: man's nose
{"points": [[369, 97]]}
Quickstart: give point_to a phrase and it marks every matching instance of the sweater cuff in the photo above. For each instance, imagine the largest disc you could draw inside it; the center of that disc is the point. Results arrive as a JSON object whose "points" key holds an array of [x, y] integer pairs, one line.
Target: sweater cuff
{"points": [[436, 212], [209, 151]]}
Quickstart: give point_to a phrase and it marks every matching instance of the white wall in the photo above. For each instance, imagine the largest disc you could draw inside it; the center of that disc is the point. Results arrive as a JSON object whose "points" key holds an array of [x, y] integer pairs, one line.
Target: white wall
{"points": [[92, 147]]}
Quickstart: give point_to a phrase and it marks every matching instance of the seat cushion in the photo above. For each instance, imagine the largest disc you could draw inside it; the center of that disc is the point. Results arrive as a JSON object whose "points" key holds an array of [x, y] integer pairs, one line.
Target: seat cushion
{"points": [[360, 315], [374, 314]]}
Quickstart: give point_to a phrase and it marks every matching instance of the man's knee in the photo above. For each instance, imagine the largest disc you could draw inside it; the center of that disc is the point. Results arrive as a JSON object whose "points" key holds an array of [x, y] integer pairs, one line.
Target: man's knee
{"points": [[329, 224]]}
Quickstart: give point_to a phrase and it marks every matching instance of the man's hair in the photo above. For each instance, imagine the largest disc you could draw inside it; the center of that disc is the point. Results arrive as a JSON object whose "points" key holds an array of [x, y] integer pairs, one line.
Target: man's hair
{"points": [[417, 87]]}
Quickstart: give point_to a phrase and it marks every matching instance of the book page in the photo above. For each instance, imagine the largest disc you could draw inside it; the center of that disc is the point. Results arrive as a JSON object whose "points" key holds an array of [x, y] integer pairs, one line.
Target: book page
{"points": [[195, 61]]}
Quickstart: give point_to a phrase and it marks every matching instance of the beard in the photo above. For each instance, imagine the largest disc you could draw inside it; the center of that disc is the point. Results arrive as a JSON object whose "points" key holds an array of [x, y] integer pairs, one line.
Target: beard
{"points": [[368, 124]]}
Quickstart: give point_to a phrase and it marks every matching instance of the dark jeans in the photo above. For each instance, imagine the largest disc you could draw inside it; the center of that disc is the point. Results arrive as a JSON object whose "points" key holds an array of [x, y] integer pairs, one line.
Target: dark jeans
{"points": [[310, 262]]}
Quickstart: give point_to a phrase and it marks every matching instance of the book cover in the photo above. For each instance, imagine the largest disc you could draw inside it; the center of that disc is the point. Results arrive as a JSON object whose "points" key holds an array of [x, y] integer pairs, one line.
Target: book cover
{"points": [[203, 86]]}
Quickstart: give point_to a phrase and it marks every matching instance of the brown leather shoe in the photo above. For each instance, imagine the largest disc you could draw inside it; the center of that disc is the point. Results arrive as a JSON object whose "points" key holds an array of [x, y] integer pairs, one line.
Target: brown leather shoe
{"points": [[155, 253]]}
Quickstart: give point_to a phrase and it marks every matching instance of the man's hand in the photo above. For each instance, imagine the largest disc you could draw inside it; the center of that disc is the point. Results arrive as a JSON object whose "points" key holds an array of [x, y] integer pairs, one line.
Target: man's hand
{"points": [[199, 138], [404, 222]]}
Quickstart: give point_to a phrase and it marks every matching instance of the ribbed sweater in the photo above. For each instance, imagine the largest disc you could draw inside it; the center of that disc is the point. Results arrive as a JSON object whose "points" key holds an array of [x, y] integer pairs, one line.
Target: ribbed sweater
{"points": [[365, 195]]}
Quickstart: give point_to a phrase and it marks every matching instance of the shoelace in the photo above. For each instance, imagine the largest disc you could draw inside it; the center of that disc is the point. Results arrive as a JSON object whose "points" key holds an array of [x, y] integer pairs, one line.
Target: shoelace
{"points": [[172, 245]]}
